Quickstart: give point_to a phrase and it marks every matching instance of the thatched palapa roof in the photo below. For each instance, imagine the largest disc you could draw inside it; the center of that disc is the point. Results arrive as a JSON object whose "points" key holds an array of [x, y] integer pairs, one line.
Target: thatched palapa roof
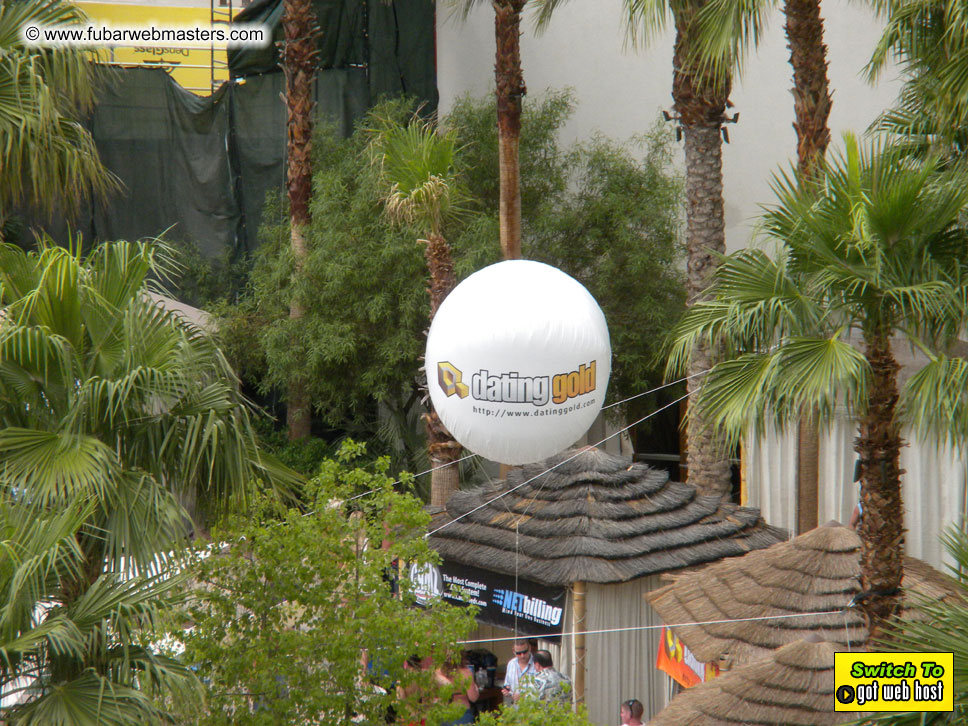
{"points": [[792, 687], [818, 571], [597, 518]]}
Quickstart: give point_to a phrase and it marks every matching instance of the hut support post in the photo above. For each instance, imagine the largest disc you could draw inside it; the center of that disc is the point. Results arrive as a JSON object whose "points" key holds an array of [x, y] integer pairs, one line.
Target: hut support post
{"points": [[578, 612]]}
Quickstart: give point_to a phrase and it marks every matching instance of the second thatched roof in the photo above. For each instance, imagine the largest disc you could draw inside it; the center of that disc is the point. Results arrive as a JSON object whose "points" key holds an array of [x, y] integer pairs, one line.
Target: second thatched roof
{"points": [[794, 686], [596, 518], [817, 572]]}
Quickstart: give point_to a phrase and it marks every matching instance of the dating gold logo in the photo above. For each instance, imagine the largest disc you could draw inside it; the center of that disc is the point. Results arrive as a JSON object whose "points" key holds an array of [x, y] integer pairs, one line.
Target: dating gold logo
{"points": [[512, 387], [449, 378]]}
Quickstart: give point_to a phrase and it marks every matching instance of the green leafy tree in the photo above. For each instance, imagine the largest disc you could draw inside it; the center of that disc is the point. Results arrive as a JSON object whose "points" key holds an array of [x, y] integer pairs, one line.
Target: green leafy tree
{"points": [[48, 158], [606, 213], [311, 618], [532, 712], [110, 402], [876, 248], [366, 305]]}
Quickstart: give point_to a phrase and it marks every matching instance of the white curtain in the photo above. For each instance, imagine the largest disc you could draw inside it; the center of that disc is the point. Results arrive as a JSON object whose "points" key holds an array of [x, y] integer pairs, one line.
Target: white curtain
{"points": [[771, 477], [837, 492], [619, 666], [933, 484], [934, 497]]}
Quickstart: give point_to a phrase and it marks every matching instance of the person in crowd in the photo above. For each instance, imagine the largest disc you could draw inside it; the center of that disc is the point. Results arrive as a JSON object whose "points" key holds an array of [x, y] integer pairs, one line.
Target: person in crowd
{"points": [[858, 511], [521, 665], [631, 712], [468, 692], [547, 684]]}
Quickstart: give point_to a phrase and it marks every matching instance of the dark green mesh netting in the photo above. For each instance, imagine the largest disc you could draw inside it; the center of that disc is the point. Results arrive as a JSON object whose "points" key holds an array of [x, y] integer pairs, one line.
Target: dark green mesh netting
{"points": [[198, 169]]}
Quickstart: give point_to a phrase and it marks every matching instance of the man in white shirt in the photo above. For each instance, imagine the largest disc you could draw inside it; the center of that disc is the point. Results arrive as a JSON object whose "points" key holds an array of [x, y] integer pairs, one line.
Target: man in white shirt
{"points": [[521, 665]]}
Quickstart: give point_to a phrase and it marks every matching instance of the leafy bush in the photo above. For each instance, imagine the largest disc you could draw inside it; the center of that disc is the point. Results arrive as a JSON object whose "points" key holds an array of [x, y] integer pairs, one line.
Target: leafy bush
{"points": [[606, 213], [301, 618]]}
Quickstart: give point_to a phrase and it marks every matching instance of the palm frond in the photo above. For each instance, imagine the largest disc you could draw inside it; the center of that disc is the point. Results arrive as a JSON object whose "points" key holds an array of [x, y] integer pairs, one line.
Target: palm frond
{"points": [[934, 400], [112, 407], [49, 159], [726, 30], [416, 162], [56, 468], [755, 303], [544, 9], [90, 700], [461, 9], [644, 20], [36, 550], [799, 374]]}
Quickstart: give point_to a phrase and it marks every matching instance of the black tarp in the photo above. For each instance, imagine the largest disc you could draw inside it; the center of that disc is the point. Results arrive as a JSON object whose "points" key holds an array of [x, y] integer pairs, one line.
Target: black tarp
{"points": [[198, 169], [394, 41], [168, 147]]}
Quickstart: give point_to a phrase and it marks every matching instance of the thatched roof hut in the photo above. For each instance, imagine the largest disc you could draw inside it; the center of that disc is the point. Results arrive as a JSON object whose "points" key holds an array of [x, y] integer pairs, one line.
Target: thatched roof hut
{"points": [[794, 686], [604, 528], [596, 518], [818, 571]]}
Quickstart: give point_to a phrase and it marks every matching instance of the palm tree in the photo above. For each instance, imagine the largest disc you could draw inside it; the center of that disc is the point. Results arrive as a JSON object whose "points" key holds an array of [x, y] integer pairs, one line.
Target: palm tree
{"points": [[927, 38], [700, 93], [111, 401], [48, 159], [40, 632], [728, 28], [416, 163], [510, 90], [725, 34], [875, 247], [299, 65]]}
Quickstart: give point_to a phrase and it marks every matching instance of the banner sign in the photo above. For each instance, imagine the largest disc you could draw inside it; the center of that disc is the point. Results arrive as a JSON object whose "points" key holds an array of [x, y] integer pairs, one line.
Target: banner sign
{"points": [[675, 659], [527, 607]]}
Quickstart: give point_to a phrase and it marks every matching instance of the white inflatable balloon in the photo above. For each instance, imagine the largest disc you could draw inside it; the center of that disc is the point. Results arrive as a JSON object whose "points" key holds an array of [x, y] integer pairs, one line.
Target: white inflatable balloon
{"points": [[518, 359]]}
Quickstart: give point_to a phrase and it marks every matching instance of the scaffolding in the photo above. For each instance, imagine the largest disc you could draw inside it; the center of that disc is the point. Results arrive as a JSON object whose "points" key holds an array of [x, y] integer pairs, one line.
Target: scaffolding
{"points": [[222, 13]]}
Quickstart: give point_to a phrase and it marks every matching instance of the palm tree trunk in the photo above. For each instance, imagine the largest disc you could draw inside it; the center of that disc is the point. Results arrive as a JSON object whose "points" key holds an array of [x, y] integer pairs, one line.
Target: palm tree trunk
{"points": [[441, 446], [811, 94], [808, 474], [298, 62], [881, 527], [811, 103], [700, 105], [298, 407], [509, 81]]}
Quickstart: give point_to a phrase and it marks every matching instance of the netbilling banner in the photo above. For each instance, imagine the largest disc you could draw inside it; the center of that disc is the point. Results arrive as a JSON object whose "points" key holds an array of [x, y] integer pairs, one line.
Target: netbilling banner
{"points": [[675, 659], [518, 605]]}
